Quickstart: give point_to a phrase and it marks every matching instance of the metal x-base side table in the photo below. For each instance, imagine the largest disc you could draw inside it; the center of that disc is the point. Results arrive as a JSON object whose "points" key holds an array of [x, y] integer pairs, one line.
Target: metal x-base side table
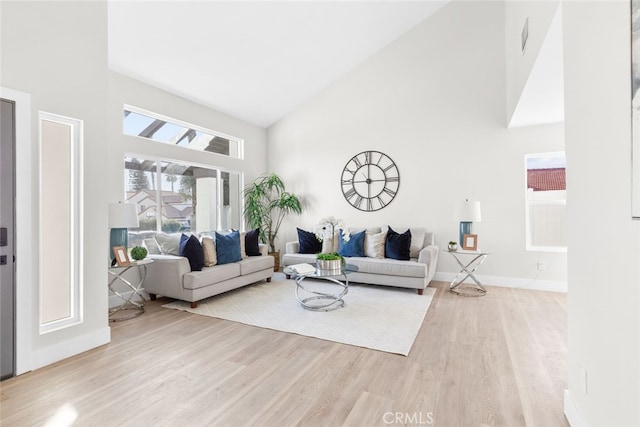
{"points": [[457, 286], [128, 303]]}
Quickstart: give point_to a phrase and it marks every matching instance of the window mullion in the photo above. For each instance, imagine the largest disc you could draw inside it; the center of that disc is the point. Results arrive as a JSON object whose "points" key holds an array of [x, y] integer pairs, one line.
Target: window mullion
{"points": [[158, 197]]}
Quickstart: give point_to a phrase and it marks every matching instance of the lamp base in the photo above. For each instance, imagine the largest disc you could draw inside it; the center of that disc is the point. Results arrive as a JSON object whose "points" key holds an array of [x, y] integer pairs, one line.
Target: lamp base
{"points": [[119, 237], [466, 227]]}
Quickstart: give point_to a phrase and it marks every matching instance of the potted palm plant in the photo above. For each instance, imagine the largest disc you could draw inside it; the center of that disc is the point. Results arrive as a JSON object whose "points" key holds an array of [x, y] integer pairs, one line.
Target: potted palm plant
{"points": [[266, 203]]}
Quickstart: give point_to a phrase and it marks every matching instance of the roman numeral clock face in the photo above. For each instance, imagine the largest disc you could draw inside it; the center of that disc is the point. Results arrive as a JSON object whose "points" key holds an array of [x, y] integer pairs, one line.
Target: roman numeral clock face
{"points": [[370, 181]]}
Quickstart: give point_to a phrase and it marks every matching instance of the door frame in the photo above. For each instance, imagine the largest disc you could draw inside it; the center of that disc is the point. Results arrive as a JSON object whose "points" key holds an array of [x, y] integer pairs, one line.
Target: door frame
{"points": [[25, 244]]}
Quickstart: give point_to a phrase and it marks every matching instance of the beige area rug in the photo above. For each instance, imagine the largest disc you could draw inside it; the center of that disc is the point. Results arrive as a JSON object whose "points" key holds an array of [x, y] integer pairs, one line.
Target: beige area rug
{"points": [[376, 317]]}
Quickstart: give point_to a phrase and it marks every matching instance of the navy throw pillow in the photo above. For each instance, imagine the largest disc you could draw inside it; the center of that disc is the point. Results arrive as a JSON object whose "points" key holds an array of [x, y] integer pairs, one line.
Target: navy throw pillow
{"points": [[228, 247], [355, 245], [191, 248], [397, 246], [309, 243], [251, 246]]}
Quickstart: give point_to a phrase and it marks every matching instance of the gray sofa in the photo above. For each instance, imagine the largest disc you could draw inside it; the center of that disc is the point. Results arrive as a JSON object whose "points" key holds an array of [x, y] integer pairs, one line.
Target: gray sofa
{"points": [[416, 273], [171, 276]]}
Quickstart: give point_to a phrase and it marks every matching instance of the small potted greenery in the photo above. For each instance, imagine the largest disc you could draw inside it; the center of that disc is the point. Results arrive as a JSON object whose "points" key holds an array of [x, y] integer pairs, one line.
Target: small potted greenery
{"points": [[329, 264], [139, 253], [453, 246]]}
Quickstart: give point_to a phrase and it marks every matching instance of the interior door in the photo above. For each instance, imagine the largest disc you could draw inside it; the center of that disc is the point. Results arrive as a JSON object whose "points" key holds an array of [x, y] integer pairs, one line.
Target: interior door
{"points": [[7, 223]]}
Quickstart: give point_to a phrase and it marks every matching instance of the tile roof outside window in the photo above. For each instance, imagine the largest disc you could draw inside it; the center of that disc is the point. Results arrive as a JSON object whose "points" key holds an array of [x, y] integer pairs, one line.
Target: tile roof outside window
{"points": [[550, 179]]}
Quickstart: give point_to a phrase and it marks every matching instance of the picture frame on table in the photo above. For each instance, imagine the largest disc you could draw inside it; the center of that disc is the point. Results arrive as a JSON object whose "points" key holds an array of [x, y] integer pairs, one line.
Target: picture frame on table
{"points": [[121, 256], [470, 242]]}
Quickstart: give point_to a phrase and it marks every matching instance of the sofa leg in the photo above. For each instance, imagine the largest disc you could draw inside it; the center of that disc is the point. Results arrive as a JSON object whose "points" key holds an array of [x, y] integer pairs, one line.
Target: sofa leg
{"points": [[420, 291], [194, 304], [268, 279], [153, 297], [288, 276]]}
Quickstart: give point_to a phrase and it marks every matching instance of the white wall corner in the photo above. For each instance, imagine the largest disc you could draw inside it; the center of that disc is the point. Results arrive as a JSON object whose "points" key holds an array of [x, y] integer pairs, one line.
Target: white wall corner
{"points": [[571, 412]]}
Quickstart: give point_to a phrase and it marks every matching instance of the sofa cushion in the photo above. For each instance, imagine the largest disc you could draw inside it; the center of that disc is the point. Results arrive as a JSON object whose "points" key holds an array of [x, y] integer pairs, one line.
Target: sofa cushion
{"points": [[209, 249], [397, 246], [374, 244], [228, 248], [389, 267], [210, 275], [191, 248], [292, 259], [251, 246], [169, 243], [309, 243], [253, 264], [354, 247]]}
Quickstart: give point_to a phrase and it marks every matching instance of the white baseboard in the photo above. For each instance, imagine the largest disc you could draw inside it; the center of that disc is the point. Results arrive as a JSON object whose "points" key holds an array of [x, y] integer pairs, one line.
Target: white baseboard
{"points": [[509, 282], [67, 348], [571, 412]]}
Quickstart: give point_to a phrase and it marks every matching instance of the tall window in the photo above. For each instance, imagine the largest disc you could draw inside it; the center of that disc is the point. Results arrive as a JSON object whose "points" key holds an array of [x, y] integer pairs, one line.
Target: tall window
{"points": [[174, 197], [546, 200]]}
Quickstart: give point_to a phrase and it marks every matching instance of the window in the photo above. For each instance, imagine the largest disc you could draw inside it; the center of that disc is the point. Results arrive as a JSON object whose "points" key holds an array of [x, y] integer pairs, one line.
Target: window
{"points": [[546, 200], [61, 278], [153, 126], [174, 197]]}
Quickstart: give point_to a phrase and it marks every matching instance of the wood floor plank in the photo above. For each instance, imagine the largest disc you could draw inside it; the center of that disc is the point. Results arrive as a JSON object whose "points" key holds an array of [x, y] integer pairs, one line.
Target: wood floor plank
{"points": [[497, 360]]}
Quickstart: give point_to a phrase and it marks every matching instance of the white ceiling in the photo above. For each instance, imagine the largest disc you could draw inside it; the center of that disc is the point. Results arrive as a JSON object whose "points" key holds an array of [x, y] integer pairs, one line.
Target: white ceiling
{"points": [[253, 60]]}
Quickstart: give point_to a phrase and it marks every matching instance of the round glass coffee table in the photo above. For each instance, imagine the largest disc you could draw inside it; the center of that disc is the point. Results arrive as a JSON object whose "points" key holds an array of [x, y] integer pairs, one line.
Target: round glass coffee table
{"points": [[319, 291]]}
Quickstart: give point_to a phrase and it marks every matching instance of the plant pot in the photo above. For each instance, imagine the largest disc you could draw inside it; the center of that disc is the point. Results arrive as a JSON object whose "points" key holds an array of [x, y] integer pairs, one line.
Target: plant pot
{"points": [[453, 247], [331, 267], [276, 260]]}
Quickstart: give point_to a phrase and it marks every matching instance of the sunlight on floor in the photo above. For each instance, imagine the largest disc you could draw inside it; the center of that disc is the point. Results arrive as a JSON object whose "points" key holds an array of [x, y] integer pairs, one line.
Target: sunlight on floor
{"points": [[65, 416]]}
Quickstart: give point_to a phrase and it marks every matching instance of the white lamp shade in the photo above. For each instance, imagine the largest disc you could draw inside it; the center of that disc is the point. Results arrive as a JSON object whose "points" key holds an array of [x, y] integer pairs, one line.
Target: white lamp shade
{"points": [[123, 215], [469, 211]]}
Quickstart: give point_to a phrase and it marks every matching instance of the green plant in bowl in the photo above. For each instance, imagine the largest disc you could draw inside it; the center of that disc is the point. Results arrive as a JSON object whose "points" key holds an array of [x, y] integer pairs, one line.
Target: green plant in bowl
{"points": [[329, 256], [139, 253]]}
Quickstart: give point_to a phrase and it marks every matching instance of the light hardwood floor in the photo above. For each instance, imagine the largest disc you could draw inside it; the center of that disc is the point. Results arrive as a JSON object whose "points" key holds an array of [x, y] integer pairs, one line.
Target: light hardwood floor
{"points": [[497, 360]]}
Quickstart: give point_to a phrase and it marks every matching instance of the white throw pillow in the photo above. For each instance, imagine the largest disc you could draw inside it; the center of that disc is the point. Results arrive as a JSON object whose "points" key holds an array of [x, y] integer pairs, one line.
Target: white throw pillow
{"points": [[169, 243], [152, 246], [209, 248], [417, 241], [331, 245], [374, 244], [243, 249]]}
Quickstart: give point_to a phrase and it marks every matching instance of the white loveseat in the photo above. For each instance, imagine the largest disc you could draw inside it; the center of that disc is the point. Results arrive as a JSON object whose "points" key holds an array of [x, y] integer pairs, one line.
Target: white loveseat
{"points": [[171, 276], [416, 273]]}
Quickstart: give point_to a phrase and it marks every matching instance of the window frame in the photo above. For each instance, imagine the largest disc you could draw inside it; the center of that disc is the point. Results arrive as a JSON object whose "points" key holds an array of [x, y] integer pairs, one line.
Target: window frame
{"points": [[219, 193], [528, 203], [157, 116]]}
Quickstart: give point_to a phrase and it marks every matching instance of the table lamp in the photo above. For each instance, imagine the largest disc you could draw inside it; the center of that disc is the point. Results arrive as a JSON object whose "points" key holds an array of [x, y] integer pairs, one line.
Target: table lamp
{"points": [[121, 217], [468, 213]]}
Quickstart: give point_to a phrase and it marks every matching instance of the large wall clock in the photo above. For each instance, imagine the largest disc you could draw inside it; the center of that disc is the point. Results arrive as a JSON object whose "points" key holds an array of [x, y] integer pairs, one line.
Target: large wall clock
{"points": [[370, 181]]}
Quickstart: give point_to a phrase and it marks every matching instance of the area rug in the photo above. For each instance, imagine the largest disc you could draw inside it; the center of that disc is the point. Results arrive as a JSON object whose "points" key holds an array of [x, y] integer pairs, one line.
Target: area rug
{"points": [[380, 318]]}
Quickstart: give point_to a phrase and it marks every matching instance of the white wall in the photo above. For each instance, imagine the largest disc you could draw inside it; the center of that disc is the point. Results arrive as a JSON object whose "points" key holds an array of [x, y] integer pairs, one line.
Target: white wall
{"points": [[434, 101], [56, 52], [604, 243], [519, 64]]}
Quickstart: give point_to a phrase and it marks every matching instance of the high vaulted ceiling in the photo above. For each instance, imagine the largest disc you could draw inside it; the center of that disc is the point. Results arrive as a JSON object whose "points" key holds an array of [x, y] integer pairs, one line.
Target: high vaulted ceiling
{"points": [[253, 60]]}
